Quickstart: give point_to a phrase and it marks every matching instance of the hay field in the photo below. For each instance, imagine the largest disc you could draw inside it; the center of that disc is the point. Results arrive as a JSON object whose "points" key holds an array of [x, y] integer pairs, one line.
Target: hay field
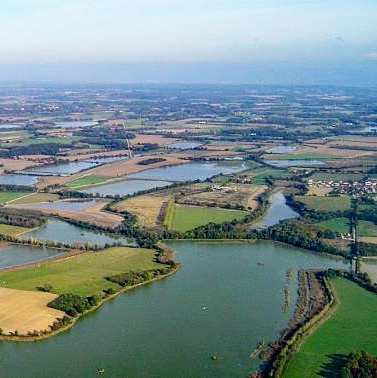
{"points": [[26, 311], [244, 195], [145, 207]]}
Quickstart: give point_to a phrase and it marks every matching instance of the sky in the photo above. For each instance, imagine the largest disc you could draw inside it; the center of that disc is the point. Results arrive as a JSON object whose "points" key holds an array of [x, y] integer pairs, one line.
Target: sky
{"points": [[56, 32]]}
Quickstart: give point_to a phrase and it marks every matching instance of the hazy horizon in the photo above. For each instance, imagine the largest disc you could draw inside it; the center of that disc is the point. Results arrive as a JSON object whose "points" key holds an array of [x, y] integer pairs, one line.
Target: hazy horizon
{"points": [[245, 41]]}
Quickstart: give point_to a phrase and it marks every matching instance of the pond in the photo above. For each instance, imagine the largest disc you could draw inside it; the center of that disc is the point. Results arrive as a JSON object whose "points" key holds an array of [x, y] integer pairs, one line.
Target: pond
{"points": [[277, 211], [191, 171], [79, 205], [65, 232], [125, 187], [183, 145], [285, 163], [16, 179], [13, 254], [281, 149], [74, 124], [67, 169], [220, 302]]}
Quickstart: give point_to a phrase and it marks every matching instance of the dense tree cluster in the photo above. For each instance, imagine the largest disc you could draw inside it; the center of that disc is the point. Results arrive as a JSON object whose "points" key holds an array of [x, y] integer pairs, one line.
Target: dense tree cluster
{"points": [[360, 365]]}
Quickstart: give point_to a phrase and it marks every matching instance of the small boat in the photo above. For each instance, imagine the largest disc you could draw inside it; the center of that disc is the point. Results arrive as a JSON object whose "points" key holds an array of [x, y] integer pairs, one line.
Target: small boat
{"points": [[100, 370], [204, 308], [260, 263], [214, 357]]}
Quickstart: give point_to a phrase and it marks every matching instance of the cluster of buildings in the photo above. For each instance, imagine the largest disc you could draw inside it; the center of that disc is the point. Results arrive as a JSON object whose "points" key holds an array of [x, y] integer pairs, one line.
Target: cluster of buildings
{"points": [[368, 186]]}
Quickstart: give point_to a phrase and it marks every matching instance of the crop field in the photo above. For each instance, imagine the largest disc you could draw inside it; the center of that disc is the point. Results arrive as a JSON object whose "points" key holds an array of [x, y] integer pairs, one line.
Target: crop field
{"points": [[349, 329], [7, 229], [186, 218], [86, 181], [82, 274], [35, 198], [303, 156], [260, 174], [334, 176], [244, 195], [341, 225], [26, 311], [325, 203], [6, 197], [146, 208]]}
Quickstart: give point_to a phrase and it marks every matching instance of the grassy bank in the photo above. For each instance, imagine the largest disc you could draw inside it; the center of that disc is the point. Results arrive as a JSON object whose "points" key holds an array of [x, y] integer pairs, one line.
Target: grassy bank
{"points": [[83, 274], [186, 218], [349, 329]]}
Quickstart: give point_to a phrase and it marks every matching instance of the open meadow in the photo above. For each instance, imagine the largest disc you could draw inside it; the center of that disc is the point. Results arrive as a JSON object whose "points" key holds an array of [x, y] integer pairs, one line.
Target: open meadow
{"points": [[325, 203], [184, 218], [353, 327], [82, 274]]}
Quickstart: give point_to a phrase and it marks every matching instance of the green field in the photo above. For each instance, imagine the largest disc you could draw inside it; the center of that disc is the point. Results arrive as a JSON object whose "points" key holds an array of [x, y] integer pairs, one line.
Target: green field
{"points": [[186, 218], [83, 274], [10, 230], [260, 174], [325, 203], [5, 197], [335, 176], [341, 225], [86, 181], [353, 327]]}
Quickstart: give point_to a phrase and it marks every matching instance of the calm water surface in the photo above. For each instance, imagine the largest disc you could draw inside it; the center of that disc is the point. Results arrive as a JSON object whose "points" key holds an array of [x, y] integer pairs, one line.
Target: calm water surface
{"points": [[163, 330], [191, 171], [21, 254], [9, 179], [126, 187], [65, 232], [281, 149], [183, 145], [277, 211], [66, 169], [284, 163], [63, 205], [73, 124]]}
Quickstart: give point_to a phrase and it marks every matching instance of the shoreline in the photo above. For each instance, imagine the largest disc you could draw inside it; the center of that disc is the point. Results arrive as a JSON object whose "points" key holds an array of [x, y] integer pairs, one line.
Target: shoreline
{"points": [[94, 308]]}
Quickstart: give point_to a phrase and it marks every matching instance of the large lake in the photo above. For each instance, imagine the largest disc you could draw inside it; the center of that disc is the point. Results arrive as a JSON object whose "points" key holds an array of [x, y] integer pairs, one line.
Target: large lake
{"points": [[191, 171], [220, 302]]}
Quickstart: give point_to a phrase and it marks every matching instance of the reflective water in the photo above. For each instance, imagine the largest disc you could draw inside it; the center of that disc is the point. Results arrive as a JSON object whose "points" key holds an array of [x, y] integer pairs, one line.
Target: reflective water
{"points": [[277, 211], [64, 232], [66, 169], [221, 302], [191, 171], [14, 179], [284, 163], [13, 255], [73, 124], [125, 187]]}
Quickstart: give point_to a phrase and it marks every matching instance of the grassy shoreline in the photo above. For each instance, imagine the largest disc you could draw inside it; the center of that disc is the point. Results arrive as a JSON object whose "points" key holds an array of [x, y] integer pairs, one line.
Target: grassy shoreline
{"points": [[94, 308]]}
